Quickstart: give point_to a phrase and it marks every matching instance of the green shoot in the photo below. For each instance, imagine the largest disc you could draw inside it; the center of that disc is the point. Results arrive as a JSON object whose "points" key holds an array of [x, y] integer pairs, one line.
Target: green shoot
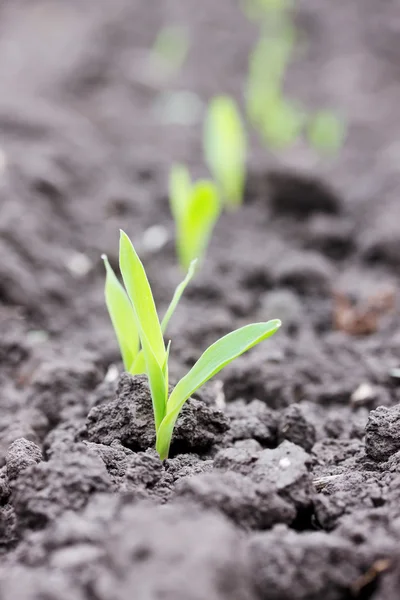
{"points": [[195, 208], [123, 318], [171, 47], [177, 295], [211, 362], [326, 132], [282, 124], [225, 148], [268, 63], [256, 9], [279, 121], [216, 357]]}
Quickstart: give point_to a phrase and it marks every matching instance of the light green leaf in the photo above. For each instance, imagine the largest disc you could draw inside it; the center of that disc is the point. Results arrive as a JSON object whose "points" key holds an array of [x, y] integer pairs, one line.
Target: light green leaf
{"points": [[122, 316], [283, 123], [225, 148], [165, 373], [139, 291], [196, 225], [155, 373], [270, 57], [258, 9], [180, 186], [178, 294], [138, 366], [215, 358], [326, 132], [172, 45], [268, 64]]}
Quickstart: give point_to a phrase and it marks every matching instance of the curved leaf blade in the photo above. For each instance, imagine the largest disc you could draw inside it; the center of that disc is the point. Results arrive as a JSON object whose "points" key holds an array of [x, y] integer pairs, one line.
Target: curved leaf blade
{"points": [[282, 124], [122, 316], [178, 294], [326, 132], [225, 147], [180, 186], [140, 294], [215, 358], [196, 225]]}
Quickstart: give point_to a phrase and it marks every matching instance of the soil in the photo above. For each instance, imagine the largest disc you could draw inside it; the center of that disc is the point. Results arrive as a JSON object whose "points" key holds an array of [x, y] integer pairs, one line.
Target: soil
{"points": [[283, 481]]}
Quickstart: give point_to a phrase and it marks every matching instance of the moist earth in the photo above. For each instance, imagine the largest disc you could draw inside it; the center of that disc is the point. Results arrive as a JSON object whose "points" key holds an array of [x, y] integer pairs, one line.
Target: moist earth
{"points": [[283, 481]]}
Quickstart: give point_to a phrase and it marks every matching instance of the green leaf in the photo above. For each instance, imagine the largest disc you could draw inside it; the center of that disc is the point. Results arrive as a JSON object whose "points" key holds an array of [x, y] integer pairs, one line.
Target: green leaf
{"points": [[268, 64], [122, 316], [156, 376], [258, 9], [165, 372], [326, 132], [138, 366], [178, 294], [282, 124], [139, 291], [196, 225], [195, 209], [172, 45], [215, 358], [180, 186], [225, 148]]}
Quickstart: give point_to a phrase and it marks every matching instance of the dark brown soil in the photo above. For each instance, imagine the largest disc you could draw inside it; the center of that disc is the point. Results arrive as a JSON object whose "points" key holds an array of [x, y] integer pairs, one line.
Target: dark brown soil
{"points": [[284, 476]]}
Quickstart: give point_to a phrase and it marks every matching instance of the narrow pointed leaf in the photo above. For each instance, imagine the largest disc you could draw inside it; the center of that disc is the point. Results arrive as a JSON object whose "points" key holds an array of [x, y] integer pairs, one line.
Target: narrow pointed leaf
{"points": [[225, 148], [180, 186], [326, 132], [138, 366], [122, 316], [165, 373], [139, 291], [282, 124], [268, 63], [177, 295], [215, 358], [155, 374], [196, 225]]}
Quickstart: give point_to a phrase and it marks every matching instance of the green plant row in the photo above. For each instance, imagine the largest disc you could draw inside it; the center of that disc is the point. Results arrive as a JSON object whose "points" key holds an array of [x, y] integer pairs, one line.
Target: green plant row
{"points": [[278, 121]]}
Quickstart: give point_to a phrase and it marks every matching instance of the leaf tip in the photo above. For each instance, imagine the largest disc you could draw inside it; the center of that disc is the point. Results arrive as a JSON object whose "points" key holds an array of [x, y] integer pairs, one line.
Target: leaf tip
{"points": [[106, 262], [193, 265]]}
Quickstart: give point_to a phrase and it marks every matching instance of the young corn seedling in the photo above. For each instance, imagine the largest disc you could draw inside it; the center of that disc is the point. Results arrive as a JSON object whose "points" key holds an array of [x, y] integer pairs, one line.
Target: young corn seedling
{"points": [[225, 148], [166, 407], [195, 208], [278, 120]]}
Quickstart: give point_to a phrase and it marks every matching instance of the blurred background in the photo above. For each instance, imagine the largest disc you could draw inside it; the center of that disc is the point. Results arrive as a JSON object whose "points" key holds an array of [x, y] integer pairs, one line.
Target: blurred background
{"points": [[100, 97]]}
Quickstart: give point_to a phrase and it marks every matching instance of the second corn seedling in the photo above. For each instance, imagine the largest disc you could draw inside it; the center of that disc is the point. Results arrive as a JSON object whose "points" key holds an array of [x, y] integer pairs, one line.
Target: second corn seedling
{"points": [[225, 149], [195, 208]]}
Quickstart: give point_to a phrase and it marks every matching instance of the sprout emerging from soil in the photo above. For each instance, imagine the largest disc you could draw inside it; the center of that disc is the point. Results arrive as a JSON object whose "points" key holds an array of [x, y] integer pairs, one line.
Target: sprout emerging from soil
{"points": [[137, 306], [225, 148], [279, 121], [195, 208]]}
